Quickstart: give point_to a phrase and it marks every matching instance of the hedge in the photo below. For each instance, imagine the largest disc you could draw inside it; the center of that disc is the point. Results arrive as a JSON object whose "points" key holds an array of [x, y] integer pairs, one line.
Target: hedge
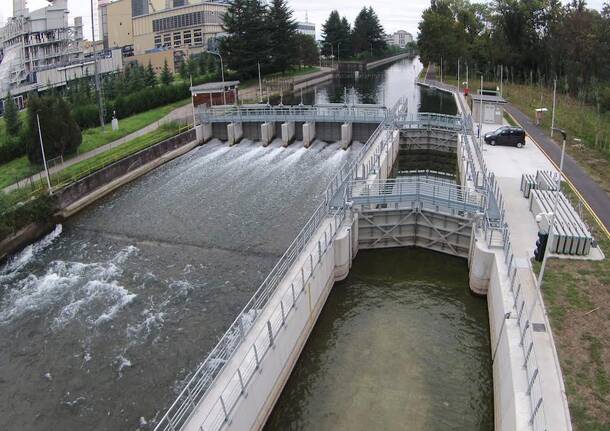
{"points": [[14, 218]]}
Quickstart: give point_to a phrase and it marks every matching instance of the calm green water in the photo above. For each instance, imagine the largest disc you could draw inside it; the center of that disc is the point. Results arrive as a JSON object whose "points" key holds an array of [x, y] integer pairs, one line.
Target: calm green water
{"points": [[401, 344]]}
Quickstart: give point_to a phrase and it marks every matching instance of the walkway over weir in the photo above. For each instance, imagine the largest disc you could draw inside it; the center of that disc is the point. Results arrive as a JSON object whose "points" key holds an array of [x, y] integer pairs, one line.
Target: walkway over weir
{"points": [[326, 113]]}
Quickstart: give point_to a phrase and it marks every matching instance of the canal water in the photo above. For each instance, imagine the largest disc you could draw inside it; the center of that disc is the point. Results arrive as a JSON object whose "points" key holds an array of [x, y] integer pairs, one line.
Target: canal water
{"points": [[103, 320], [401, 344]]}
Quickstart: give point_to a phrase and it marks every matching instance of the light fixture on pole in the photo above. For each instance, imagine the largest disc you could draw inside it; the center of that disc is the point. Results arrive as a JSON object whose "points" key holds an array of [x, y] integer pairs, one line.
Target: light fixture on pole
{"points": [[554, 103], [260, 82], [222, 74], [98, 89]]}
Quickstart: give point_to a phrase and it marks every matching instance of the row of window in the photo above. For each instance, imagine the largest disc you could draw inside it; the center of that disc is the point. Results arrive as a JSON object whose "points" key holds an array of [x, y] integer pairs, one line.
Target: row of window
{"points": [[179, 38], [186, 20]]}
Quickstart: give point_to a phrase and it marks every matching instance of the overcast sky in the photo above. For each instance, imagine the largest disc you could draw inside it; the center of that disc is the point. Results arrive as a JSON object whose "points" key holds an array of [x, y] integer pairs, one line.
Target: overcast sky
{"points": [[394, 14]]}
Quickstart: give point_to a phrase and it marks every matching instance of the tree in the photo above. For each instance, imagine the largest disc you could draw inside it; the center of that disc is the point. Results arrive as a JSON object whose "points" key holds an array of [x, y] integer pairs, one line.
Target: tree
{"points": [[336, 35], [166, 75], [150, 77], [308, 53], [183, 71], [368, 34], [60, 133], [247, 42], [11, 116], [282, 35]]}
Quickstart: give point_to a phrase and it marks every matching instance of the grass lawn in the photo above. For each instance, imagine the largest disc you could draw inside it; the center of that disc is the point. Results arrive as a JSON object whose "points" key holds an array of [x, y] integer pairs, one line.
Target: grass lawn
{"points": [[16, 170], [577, 298], [81, 169], [94, 138]]}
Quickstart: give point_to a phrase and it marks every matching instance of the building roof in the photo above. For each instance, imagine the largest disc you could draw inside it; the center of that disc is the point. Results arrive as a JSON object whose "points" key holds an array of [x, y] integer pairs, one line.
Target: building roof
{"points": [[212, 87], [486, 98]]}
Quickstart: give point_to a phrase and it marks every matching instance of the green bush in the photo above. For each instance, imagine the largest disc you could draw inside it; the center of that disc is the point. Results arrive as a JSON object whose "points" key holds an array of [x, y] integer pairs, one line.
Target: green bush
{"points": [[14, 218], [604, 99], [11, 149]]}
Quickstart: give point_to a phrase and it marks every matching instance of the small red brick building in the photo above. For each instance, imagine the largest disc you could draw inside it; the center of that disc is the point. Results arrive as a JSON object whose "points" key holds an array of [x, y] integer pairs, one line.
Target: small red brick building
{"points": [[215, 93]]}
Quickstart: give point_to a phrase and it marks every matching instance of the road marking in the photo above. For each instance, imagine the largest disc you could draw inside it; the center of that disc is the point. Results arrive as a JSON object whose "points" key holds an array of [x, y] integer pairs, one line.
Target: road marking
{"points": [[567, 180]]}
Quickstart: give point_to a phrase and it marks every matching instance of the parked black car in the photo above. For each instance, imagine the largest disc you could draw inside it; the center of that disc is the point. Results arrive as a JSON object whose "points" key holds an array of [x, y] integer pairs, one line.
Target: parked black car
{"points": [[506, 136]]}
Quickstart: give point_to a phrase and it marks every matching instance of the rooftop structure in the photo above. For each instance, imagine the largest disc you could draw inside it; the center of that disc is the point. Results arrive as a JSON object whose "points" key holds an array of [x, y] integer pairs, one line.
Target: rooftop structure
{"points": [[37, 40]]}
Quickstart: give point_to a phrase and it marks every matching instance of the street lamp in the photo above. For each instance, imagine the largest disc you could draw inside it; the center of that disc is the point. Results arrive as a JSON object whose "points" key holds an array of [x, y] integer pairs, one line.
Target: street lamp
{"points": [[222, 72], [100, 101]]}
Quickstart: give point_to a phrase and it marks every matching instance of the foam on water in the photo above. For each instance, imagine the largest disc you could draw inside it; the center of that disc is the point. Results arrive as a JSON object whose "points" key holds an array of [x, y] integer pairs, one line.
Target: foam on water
{"points": [[27, 254], [69, 290]]}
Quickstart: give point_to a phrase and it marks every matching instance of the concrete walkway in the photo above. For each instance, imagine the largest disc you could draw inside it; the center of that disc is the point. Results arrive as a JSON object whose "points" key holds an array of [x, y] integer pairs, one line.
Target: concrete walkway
{"points": [[593, 194], [177, 114]]}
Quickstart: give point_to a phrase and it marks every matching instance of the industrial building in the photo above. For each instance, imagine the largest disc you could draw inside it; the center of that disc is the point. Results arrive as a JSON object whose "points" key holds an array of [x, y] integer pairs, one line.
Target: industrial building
{"points": [[40, 50], [142, 26]]}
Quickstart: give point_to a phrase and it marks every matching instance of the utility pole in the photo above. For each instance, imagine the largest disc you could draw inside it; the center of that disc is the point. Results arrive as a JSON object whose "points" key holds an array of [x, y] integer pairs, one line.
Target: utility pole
{"points": [[458, 77], [44, 158], [481, 111], [554, 102], [441, 69], [98, 89], [260, 82], [501, 80], [467, 84], [332, 56]]}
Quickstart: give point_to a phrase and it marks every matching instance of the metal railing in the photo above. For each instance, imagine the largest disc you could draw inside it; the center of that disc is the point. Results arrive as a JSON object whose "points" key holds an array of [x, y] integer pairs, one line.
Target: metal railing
{"points": [[204, 376], [236, 386], [335, 113], [425, 120], [427, 192]]}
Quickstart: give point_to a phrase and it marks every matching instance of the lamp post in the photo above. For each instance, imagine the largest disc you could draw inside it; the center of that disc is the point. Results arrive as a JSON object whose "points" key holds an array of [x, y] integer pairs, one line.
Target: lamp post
{"points": [[222, 73], [44, 158], [98, 89], [554, 102], [552, 220]]}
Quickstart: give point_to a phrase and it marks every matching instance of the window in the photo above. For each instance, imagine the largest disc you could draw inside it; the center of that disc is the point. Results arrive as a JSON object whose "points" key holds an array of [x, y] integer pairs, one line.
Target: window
{"points": [[187, 37], [177, 39], [197, 37], [167, 40], [158, 43]]}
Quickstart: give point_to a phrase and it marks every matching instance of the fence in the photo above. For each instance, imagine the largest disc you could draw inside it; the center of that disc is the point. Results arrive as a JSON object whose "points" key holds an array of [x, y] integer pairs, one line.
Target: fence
{"points": [[335, 113]]}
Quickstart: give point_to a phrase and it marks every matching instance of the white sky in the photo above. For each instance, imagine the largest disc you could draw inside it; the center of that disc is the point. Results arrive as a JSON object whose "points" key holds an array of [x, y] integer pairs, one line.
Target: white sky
{"points": [[394, 14]]}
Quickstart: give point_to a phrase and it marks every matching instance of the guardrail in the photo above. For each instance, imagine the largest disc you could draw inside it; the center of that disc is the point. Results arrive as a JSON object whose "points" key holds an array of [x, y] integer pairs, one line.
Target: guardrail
{"points": [[426, 191], [204, 376], [265, 339], [335, 113]]}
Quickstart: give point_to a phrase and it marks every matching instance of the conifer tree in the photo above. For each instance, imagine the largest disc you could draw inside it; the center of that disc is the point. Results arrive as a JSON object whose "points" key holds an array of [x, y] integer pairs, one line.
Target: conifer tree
{"points": [[282, 35], [11, 116], [150, 78], [166, 75]]}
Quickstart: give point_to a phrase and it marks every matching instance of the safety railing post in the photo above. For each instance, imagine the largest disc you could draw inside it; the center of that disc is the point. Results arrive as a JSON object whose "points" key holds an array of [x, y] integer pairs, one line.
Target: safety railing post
{"points": [[270, 332]]}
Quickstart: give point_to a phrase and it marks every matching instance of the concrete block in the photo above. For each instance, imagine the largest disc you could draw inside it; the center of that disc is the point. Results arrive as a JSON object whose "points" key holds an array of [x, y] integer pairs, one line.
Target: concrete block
{"points": [[204, 132], [267, 133], [235, 133], [287, 133], [481, 264], [309, 134], [346, 135]]}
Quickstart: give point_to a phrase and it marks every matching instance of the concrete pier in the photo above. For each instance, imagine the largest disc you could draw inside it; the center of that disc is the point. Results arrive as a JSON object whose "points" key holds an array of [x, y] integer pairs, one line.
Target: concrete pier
{"points": [[235, 133], [346, 135], [204, 132], [267, 133], [288, 134], [309, 133]]}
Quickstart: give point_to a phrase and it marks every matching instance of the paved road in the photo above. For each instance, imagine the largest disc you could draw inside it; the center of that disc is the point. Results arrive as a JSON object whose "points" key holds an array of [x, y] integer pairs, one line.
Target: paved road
{"points": [[595, 196]]}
